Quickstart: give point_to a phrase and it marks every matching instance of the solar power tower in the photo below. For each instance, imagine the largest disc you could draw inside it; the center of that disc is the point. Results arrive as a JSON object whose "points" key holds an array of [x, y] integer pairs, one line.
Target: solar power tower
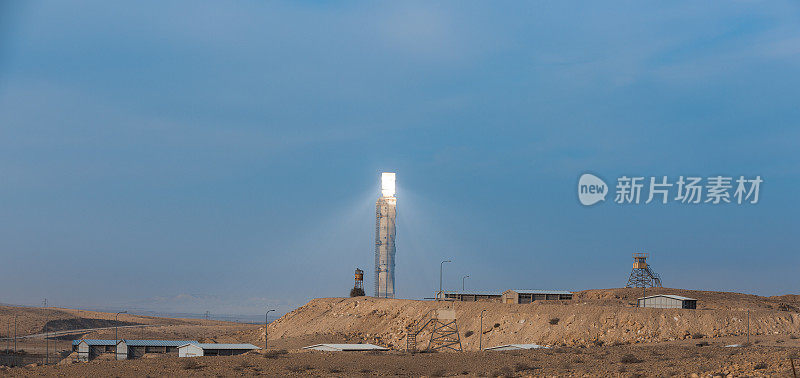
{"points": [[385, 232]]}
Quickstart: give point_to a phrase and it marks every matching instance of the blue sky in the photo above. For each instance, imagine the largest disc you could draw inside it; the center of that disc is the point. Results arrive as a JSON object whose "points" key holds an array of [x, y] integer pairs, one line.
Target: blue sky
{"points": [[193, 156]]}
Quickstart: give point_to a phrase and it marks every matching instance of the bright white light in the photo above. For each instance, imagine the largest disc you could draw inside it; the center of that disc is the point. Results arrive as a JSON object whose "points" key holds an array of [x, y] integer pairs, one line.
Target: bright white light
{"points": [[387, 184]]}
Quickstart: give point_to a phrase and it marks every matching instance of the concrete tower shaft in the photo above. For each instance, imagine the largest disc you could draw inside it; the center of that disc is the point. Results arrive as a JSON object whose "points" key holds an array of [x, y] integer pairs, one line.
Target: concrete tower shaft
{"points": [[385, 233]]}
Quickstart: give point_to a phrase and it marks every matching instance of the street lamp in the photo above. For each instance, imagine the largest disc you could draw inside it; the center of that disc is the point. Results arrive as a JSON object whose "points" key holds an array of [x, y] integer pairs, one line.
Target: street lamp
{"points": [[266, 323], [46, 341], [441, 267], [480, 337], [116, 324], [462, 282]]}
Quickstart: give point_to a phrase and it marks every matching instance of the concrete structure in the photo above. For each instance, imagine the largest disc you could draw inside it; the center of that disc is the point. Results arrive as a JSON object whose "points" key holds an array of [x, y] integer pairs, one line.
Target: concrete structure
{"points": [[132, 349], [517, 347], [345, 347], [90, 349], [473, 296], [667, 301], [385, 232], [206, 349], [530, 296]]}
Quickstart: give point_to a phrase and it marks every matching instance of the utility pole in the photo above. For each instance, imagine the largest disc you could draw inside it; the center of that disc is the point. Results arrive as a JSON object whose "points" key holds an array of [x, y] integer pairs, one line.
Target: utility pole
{"points": [[480, 337], [462, 283], [441, 267], [46, 340], [266, 324]]}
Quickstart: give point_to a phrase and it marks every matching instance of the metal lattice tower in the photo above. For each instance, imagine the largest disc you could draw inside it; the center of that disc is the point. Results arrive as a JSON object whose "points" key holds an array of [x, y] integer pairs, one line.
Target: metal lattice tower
{"points": [[445, 331], [642, 275], [385, 232]]}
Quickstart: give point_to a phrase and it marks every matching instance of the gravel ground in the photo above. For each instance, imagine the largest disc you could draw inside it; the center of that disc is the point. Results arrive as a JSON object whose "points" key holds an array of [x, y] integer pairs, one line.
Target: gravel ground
{"points": [[665, 359]]}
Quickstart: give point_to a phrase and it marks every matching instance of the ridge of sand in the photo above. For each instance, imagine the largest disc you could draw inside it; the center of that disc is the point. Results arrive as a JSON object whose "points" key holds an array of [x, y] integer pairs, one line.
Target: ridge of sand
{"points": [[594, 317]]}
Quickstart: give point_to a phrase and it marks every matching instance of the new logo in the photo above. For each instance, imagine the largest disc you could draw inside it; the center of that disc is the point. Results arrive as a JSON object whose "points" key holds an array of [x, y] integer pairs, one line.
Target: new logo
{"points": [[591, 189]]}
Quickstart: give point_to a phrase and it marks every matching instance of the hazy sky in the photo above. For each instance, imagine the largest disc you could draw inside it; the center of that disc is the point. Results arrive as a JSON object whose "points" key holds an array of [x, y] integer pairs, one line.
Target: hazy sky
{"points": [[224, 156]]}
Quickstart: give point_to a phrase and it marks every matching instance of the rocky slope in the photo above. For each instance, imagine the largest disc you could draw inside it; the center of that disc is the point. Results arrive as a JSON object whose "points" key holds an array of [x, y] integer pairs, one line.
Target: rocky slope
{"points": [[594, 318]]}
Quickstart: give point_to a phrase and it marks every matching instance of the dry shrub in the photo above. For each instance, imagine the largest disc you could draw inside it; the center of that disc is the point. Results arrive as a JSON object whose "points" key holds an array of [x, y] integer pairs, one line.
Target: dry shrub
{"points": [[334, 370], [439, 373], [242, 366], [630, 359], [760, 365], [299, 369], [468, 334], [702, 344], [554, 321], [275, 353], [365, 371], [519, 366], [504, 372], [698, 335], [192, 364], [598, 342]]}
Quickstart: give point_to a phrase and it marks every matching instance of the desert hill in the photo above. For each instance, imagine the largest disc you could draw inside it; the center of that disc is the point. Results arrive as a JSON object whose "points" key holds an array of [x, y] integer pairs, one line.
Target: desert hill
{"points": [[594, 317]]}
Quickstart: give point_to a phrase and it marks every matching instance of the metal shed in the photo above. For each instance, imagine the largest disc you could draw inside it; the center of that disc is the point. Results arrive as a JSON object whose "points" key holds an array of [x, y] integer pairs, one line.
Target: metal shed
{"points": [[130, 349], [89, 349], [667, 301], [473, 296], [345, 347], [208, 349], [530, 296], [518, 347]]}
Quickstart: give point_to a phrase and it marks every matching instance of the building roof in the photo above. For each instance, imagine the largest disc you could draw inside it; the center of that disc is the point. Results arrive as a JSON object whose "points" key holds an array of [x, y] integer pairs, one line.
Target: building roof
{"points": [[161, 343], [206, 346], [524, 291], [472, 293], [96, 342], [344, 347], [678, 297], [517, 347]]}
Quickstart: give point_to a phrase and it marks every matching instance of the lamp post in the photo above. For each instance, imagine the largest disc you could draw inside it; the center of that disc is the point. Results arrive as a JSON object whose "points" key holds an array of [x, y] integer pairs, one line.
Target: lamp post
{"points": [[441, 267], [462, 283], [46, 341], [480, 337], [266, 323], [116, 339]]}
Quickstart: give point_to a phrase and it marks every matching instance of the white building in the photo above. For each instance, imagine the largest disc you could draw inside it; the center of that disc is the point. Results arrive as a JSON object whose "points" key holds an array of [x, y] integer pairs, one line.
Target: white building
{"points": [[202, 349], [667, 301]]}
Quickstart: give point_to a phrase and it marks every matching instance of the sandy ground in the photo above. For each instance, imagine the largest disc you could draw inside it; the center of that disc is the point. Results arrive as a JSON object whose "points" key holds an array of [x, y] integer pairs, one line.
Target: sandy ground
{"points": [[767, 357]]}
